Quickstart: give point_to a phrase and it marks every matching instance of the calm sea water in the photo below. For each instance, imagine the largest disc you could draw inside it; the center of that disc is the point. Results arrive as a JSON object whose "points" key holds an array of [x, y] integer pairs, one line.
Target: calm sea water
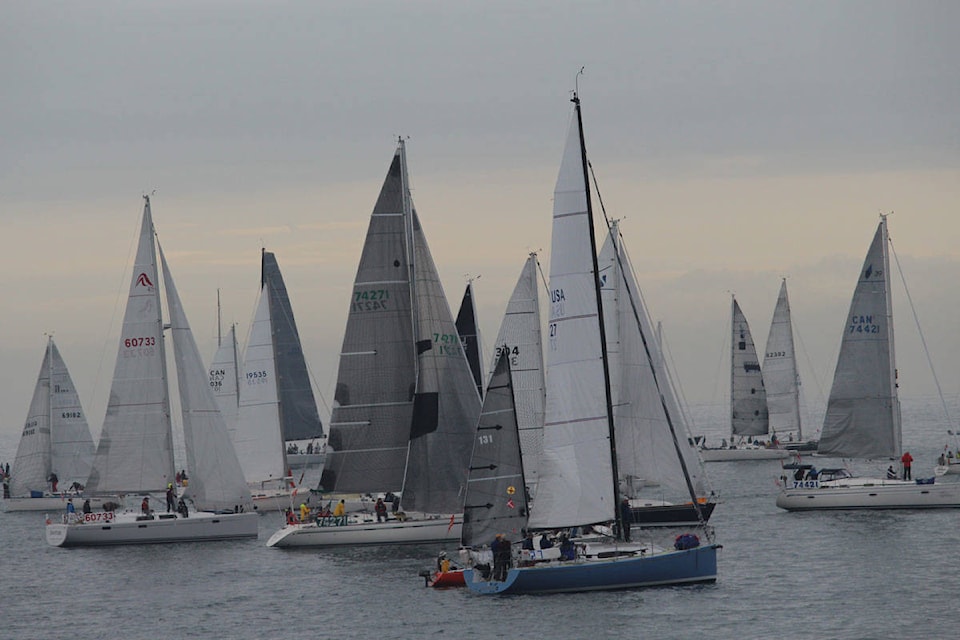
{"points": [[783, 575]]}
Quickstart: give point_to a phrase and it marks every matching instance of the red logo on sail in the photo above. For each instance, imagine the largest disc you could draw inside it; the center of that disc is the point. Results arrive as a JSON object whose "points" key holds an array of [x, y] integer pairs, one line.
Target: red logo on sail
{"points": [[143, 280]]}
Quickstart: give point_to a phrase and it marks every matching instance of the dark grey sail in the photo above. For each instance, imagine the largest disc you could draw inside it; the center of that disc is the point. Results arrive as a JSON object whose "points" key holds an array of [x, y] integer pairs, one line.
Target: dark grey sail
{"points": [[446, 405], [496, 500], [299, 419], [469, 331], [376, 381]]}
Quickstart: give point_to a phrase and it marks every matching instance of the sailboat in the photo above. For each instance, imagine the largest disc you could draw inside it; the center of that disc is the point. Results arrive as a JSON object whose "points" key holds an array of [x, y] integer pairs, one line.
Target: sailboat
{"points": [[55, 439], [749, 416], [468, 328], [520, 336], [405, 405], [135, 453], [863, 412], [579, 479], [781, 380], [276, 402], [649, 429]]}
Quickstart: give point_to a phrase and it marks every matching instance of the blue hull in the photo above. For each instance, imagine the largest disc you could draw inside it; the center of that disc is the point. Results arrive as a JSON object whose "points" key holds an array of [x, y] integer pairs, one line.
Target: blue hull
{"points": [[676, 567]]}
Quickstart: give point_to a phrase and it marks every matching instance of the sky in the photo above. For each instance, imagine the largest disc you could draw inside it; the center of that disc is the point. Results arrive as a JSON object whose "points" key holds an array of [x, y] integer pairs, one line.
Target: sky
{"points": [[738, 142]]}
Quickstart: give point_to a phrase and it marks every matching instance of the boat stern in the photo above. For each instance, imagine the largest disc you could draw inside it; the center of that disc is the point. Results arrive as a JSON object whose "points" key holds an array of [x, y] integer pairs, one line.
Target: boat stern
{"points": [[56, 534]]}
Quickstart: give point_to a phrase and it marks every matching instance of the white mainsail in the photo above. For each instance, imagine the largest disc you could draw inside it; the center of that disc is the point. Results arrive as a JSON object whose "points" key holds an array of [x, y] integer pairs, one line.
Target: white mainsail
{"points": [[748, 399], [649, 429], [135, 452], [780, 377], [258, 438], [55, 437], [224, 372], [576, 475], [520, 334], [863, 412]]}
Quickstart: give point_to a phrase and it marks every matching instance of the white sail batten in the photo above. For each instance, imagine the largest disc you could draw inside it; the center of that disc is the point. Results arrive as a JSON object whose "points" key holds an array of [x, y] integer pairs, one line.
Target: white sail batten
{"points": [[780, 370], [748, 399], [863, 412], [135, 452], [520, 334], [576, 429], [258, 439], [216, 479]]}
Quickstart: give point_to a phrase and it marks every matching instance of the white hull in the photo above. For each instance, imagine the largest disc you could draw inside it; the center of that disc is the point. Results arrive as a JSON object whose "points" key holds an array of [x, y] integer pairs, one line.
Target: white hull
{"points": [[48, 503], [745, 453], [355, 533], [127, 529], [950, 468], [868, 493]]}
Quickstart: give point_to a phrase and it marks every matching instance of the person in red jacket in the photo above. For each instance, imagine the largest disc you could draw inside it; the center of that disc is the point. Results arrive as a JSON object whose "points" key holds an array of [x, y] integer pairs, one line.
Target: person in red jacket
{"points": [[906, 460]]}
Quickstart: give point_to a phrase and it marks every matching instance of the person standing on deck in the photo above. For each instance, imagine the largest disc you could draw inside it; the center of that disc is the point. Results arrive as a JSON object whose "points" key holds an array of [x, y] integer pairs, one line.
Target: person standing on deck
{"points": [[906, 460]]}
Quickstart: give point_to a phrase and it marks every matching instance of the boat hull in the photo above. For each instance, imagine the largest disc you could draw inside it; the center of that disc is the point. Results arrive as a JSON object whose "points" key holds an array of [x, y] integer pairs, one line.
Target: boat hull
{"points": [[878, 494], [408, 531], [199, 527], [670, 515], [689, 566], [48, 503], [452, 578], [731, 455]]}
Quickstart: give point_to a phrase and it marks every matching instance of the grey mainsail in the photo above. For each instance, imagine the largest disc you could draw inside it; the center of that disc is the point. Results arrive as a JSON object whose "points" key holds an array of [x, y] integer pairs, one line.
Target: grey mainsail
{"points": [[863, 412], [405, 404], [748, 399], [495, 499]]}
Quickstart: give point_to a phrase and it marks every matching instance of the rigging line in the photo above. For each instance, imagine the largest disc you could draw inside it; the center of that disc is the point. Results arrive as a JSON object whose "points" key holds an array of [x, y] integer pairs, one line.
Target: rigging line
{"points": [[821, 402], [923, 340]]}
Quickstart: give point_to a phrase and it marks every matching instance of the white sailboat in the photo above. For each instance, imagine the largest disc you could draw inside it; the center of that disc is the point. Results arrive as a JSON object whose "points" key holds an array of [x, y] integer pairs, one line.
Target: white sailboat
{"points": [[579, 479], [748, 401], [781, 380], [55, 439], [405, 405], [521, 336], [650, 426], [135, 453], [863, 412], [275, 399]]}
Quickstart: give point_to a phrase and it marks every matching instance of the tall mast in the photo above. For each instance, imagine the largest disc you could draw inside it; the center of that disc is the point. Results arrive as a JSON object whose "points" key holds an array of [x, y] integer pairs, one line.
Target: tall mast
{"points": [[615, 472]]}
